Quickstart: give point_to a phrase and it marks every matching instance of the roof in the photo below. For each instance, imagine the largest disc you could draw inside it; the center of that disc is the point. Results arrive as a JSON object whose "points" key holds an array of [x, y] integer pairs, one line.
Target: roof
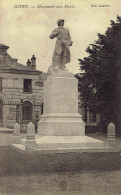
{"points": [[23, 67], [14, 65], [11, 65], [19, 66], [16, 71]]}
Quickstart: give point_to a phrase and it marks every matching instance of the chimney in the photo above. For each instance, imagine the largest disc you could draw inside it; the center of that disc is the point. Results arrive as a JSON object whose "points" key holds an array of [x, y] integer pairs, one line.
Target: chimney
{"points": [[28, 63], [33, 61]]}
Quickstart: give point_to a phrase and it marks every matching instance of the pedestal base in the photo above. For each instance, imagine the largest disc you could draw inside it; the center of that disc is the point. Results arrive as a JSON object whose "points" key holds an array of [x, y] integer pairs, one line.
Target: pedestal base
{"points": [[65, 144], [61, 125], [61, 117]]}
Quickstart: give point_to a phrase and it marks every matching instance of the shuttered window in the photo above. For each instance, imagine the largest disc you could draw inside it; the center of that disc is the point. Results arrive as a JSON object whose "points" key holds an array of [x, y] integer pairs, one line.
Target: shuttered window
{"points": [[27, 85]]}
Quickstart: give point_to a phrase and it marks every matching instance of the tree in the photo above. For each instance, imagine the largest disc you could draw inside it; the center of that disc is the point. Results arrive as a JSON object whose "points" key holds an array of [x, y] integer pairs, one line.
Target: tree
{"points": [[100, 85]]}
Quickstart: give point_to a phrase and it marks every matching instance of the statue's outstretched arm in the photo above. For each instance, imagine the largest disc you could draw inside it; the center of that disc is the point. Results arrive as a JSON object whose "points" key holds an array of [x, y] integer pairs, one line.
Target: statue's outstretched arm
{"points": [[54, 34]]}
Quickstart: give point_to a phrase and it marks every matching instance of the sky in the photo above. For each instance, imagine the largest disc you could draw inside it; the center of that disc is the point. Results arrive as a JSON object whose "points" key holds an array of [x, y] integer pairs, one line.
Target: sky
{"points": [[26, 30]]}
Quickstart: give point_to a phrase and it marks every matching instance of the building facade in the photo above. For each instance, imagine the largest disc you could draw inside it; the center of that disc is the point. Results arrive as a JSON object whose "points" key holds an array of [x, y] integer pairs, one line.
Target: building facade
{"points": [[21, 90]]}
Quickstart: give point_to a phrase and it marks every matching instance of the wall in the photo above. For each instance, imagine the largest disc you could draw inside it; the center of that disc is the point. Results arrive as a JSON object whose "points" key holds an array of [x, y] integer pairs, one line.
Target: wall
{"points": [[12, 93]]}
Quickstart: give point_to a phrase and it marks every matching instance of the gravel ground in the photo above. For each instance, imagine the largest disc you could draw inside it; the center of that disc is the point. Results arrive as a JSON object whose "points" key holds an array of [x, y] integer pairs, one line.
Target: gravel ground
{"points": [[74, 174], [83, 183]]}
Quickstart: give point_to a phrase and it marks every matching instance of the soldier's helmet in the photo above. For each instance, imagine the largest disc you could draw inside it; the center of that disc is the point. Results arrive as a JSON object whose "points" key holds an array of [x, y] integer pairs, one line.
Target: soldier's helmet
{"points": [[60, 20]]}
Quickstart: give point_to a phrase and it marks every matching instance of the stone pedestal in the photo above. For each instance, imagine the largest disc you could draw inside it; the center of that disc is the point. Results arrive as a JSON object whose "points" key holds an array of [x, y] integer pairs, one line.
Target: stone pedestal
{"points": [[60, 116]]}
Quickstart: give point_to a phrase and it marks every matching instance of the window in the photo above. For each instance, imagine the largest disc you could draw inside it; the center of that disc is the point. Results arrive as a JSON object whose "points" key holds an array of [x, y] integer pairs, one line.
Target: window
{"points": [[0, 84], [27, 110], [28, 85]]}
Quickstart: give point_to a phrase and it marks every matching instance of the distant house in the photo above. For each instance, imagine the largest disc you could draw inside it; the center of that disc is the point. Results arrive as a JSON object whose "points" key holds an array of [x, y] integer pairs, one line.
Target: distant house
{"points": [[21, 90]]}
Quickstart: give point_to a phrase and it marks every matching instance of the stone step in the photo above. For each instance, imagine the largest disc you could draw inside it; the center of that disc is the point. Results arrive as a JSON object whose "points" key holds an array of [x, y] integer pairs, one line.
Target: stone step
{"points": [[50, 142], [21, 148]]}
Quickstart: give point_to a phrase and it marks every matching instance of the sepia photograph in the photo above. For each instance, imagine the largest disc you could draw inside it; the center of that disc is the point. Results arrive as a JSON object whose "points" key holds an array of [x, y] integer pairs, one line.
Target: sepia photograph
{"points": [[60, 97]]}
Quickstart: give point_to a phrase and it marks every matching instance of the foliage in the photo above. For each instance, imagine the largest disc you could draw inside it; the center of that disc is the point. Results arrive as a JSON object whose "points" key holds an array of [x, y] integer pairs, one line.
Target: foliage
{"points": [[102, 72]]}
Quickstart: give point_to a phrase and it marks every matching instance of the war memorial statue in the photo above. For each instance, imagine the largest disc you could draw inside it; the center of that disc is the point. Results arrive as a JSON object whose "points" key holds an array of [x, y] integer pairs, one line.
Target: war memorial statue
{"points": [[61, 128], [60, 114], [61, 55]]}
